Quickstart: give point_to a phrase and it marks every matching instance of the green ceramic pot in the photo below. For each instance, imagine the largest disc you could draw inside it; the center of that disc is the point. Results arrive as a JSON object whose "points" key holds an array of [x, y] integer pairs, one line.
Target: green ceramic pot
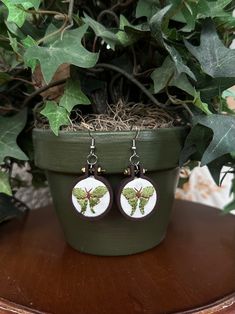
{"points": [[64, 156]]}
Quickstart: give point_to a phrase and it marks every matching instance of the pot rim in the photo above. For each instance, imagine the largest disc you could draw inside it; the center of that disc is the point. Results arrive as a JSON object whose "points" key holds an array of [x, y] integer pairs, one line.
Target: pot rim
{"points": [[121, 132]]}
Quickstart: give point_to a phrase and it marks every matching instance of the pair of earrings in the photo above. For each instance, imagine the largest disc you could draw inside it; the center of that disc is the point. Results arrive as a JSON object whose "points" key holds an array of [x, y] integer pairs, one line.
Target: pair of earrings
{"points": [[92, 196]]}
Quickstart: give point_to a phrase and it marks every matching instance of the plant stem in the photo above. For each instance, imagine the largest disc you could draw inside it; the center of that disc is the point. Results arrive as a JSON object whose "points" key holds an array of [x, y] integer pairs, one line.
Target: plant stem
{"points": [[22, 80], [134, 81], [60, 30], [70, 11], [42, 89]]}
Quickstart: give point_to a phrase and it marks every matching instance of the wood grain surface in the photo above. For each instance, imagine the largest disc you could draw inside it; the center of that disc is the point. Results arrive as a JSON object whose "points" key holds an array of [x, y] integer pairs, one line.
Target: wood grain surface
{"points": [[192, 271]]}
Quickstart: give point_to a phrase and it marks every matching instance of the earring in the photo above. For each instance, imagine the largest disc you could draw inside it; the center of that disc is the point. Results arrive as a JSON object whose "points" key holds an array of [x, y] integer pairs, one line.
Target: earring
{"points": [[137, 195], [92, 195]]}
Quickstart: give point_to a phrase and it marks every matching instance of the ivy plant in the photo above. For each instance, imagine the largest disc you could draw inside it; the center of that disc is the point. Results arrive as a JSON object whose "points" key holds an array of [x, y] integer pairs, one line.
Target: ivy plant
{"points": [[171, 53]]}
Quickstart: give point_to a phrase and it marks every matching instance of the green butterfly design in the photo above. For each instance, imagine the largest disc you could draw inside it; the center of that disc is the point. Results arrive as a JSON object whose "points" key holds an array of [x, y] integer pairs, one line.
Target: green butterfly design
{"points": [[135, 196], [85, 197]]}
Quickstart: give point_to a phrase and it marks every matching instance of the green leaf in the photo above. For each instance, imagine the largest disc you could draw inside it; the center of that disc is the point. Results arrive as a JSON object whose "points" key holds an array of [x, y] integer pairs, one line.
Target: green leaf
{"points": [[183, 83], [101, 31], [156, 26], [199, 104], [69, 49], [73, 96], [124, 37], [4, 183], [213, 9], [147, 8], [56, 115], [179, 64], [216, 166], [16, 14], [189, 17], [10, 127], [196, 143], [229, 207], [14, 29], [29, 3], [216, 60], [167, 75], [27, 43], [13, 42], [161, 76], [16, 10], [212, 87], [223, 141]]}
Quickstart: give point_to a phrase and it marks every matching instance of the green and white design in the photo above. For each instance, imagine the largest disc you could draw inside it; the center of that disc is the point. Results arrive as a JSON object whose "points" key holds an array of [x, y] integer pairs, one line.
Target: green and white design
{"points": [[91, 197], [138, 198]]}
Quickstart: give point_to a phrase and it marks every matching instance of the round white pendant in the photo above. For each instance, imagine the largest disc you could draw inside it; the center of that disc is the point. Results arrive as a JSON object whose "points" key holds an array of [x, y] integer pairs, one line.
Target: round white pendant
{"points": [[91, 197], [138, 198]]}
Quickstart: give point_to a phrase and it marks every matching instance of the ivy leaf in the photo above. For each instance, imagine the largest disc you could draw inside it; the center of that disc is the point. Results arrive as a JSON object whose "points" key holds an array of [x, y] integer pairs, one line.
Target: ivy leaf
{"points": [[161, 76], [10, 127], [13, 43], [15, 14], [216, 60], [5, 184], [212, 87], [73, 96], [156, 24], [56, 115], [156, 27], [126, 37], [215, 167], [223, 141], [69, 49], [16, 10], [30, 3], [196, 143], [200, 104], [14, 29], [179, 64], [229, 207], [101, 31], [27, 43], [147, 8], [213, 8], [167, 75]]}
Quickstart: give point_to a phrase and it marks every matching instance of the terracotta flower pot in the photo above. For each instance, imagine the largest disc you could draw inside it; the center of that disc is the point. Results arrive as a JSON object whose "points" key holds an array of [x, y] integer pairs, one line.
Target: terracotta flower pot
{"points": [[64, 156]]}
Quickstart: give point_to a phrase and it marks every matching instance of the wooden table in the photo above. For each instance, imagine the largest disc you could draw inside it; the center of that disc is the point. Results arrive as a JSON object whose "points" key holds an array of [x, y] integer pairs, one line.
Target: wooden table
{"points": [[192, 271]]}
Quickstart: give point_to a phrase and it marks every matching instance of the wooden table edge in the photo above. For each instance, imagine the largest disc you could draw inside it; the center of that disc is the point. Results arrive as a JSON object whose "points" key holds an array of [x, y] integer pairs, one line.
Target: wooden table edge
{"points": [[225, 304], [8, 307]]}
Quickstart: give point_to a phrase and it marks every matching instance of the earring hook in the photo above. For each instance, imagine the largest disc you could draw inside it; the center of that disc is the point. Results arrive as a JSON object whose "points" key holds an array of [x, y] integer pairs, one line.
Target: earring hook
{"points": [[135, 159], [92, 157], [137, 133], [91, 136]]}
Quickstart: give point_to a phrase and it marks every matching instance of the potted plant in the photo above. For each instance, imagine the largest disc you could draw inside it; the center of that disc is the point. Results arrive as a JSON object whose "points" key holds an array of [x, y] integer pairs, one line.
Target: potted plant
{"points": [[100, 71]]}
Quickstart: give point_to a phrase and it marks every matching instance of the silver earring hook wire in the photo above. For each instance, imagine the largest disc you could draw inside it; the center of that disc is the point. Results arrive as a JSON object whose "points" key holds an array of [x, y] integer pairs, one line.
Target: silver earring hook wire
{"points": [[135, 159], [92, 157]]}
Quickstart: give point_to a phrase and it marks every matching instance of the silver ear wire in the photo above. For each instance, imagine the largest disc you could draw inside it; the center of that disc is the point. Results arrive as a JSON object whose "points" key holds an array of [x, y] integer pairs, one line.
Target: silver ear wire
{"points": [[92, 157], [135, 159]]}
